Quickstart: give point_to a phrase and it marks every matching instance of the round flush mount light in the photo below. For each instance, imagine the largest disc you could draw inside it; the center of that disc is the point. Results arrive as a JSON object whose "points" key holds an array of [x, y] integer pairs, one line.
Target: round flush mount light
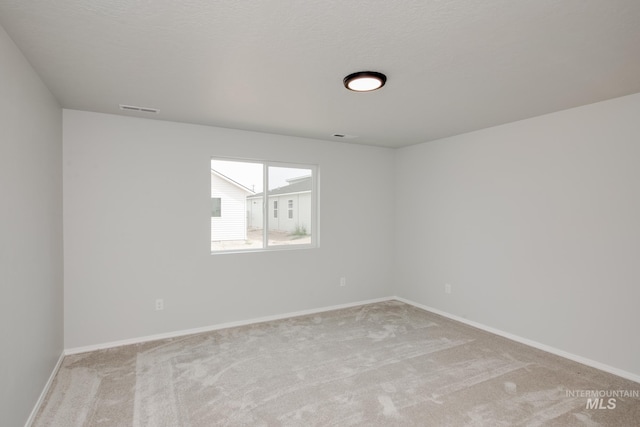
{"points": [[364, 81]]}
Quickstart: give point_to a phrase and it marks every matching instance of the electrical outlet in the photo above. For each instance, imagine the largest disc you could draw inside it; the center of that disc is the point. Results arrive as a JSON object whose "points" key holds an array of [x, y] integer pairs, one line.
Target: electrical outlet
{"points": [[343, 281], [447, 288], [159, 304]]}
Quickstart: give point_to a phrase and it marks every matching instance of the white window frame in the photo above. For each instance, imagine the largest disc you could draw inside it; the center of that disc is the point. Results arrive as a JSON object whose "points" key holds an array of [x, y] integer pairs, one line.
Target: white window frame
{"points": [[315, 205]]}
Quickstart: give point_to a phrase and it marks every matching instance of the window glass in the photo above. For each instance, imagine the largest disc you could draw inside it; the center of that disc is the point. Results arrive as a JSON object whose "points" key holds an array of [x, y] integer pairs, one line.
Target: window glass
{"points": [[243, 191], [289, 186], [216, 209], [238, 186]]}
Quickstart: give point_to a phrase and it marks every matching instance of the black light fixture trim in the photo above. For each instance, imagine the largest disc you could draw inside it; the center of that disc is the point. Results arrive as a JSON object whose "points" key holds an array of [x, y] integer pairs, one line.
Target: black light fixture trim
{"points": [[365, 75]]}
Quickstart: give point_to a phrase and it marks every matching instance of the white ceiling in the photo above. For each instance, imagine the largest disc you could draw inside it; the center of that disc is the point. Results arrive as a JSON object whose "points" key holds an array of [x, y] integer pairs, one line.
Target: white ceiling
{"points": [[276, 66]]}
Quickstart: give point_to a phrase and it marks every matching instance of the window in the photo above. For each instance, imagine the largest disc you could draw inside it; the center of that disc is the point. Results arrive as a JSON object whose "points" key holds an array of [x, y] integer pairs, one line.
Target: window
{"points": [[216, 210], [249, 189]]}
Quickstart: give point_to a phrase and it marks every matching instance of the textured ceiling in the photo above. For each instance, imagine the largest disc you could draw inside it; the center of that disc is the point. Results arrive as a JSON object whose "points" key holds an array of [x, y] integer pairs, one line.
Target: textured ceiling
{"points": [[277, 66]]}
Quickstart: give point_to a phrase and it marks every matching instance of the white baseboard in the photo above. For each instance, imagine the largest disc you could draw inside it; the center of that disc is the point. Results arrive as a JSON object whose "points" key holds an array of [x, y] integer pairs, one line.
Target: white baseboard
{"points": [[530, 343], [44, 392], [184, 332]]}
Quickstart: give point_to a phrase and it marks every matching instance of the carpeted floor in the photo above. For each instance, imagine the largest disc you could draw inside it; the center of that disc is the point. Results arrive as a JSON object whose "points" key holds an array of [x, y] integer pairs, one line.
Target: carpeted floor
{"points": [[383, 364]]}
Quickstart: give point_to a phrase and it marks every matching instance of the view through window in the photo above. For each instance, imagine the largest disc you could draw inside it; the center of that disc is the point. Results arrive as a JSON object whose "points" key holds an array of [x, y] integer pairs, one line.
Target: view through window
{"points": [[246, 197]]}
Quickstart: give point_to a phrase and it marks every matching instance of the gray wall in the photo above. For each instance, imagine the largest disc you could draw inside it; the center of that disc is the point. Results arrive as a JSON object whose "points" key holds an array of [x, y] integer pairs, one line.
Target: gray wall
{"points": [[31, 235], [536, 226], [137, 228]]}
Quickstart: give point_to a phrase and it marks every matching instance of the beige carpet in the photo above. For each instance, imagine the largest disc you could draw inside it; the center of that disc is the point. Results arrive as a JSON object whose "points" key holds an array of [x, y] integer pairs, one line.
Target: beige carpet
{"points": [[384, 364]]}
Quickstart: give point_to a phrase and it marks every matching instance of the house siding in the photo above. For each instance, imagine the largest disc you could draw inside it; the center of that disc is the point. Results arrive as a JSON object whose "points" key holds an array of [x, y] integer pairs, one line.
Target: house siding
{"points": [[304, 211], [232, 224], [301, 209], [255, 215], [282, 222], [301, 212]]}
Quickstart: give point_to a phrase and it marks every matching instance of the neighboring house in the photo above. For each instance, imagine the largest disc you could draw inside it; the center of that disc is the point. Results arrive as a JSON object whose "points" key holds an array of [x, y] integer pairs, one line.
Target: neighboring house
{"points": [[289, 207], [228, 208]]}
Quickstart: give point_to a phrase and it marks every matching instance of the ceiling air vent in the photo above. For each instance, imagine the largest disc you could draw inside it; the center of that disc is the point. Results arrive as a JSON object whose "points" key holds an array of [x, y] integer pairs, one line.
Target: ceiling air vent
{"points": [[140, 109]]}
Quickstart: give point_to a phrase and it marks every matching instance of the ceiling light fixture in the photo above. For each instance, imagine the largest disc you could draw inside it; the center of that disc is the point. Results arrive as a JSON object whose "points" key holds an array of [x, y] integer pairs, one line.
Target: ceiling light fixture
{"points": [[364, 81]]}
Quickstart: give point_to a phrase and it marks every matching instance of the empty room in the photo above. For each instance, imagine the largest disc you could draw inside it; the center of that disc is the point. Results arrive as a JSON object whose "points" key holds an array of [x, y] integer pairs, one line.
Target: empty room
{"points": [[356, 213]]}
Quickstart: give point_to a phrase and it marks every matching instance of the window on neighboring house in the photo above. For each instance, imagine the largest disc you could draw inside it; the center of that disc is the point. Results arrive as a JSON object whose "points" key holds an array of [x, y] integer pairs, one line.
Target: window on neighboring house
{"points": [[216, 210], [249, 188]]}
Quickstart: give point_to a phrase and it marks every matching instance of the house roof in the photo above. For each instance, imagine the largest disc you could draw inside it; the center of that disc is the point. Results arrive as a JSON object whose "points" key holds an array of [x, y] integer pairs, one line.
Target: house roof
{"points": [[231, 181], [298, 185]]}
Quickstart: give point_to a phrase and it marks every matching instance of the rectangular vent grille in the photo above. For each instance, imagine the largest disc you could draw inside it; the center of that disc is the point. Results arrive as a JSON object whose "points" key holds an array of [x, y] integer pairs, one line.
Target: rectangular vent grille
{"points": [[141, 109]]}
